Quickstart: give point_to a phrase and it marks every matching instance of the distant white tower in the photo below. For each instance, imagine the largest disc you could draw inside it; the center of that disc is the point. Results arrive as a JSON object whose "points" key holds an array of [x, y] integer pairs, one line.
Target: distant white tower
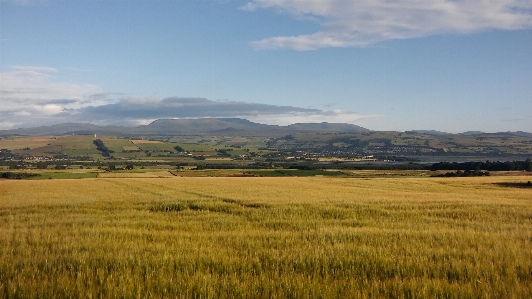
{"points": [[94, 135]]}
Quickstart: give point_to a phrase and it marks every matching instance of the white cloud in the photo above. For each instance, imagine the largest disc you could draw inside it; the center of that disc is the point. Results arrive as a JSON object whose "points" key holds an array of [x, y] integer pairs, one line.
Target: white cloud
{"points": [[32, 92], [27, 2], [38, 69], [365, 22], [51, 109], [29, 84], [6, 125], [77, 70], [334, 116]]}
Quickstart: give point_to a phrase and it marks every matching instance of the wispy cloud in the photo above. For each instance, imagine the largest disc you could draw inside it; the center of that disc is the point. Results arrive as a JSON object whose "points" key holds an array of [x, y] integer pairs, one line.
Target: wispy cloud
{"points": [[37, 83], [27, 2], [38, 69], [365, 22], [329, 116], [512, 119], [33, 92], [77, 70]]}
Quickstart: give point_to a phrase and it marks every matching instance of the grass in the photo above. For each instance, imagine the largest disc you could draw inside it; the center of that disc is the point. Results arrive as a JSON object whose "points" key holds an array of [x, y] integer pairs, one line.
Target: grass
{"points": [[296, 173], [65, 175], [15, 143], [136, 174], [196, 148], [266, 238], [156, 147], [51, 174]]}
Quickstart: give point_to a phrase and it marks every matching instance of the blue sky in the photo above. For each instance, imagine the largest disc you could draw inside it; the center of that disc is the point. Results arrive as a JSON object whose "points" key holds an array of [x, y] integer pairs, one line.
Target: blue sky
{"points": [[445, 65]]}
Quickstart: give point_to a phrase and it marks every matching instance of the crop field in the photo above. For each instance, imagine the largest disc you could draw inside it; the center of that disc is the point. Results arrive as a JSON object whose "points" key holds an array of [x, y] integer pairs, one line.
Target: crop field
{"points": [[48, 150], [25, 142], [116, 144], [295, 172], [268, 237], [135, 174], [156, 147], [64, 175]]}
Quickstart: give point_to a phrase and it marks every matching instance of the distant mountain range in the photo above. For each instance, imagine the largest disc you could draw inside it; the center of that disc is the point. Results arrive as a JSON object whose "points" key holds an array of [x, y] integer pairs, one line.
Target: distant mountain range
{"points": [[469, 133], [210, 126], [172, 127]]}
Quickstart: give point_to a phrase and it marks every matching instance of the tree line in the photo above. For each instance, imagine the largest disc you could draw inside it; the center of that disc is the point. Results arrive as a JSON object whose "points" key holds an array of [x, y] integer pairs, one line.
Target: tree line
{"points": [[16, 175], [466, 173], [488, 165], [102, 148]]}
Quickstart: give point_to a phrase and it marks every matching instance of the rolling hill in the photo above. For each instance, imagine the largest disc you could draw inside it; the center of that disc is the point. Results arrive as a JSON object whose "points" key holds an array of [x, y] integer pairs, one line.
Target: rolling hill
{"points": [[171, 127]]}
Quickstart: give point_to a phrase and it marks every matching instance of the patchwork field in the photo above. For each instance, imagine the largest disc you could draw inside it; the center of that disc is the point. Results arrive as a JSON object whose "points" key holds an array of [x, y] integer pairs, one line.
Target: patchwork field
{"points": [[266, 237]]}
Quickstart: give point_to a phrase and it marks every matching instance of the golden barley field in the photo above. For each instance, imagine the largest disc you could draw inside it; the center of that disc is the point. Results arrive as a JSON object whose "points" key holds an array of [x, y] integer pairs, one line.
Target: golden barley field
{"points": [[252, 237]]}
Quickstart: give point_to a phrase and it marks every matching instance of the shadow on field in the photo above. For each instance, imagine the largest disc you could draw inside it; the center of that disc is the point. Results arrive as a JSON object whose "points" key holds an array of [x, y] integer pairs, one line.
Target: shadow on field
{"points": [[515, 184]]}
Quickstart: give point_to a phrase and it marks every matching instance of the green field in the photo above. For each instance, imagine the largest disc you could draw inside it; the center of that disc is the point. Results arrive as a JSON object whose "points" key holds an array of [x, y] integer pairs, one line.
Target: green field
{"points": [[157, 147], [308, 145], [316, 237], [65, 175], [295, 173]]}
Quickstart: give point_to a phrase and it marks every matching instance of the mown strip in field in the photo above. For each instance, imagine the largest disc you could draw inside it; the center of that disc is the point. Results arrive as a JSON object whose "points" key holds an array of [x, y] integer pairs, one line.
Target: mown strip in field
{"points": [[266, 238]]}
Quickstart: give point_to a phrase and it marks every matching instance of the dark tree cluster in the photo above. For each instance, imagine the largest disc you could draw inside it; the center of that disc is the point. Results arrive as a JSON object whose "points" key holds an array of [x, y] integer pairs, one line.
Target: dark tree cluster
{"points": [[488, 165], [179, 149], [102, 148], [223, 152], [467, 173], [41, 165], [16, 175], [230, 166], [15, 164]]}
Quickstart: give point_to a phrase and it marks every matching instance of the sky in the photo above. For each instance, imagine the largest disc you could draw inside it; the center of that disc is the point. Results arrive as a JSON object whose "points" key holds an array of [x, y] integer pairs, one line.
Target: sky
{"points": [[447, 65]]}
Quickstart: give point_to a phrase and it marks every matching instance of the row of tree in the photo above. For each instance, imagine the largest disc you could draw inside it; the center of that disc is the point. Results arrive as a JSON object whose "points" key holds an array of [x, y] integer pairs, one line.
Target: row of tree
{"points": [[102, 148], [488, 165], [466, 173], [16, 175]]}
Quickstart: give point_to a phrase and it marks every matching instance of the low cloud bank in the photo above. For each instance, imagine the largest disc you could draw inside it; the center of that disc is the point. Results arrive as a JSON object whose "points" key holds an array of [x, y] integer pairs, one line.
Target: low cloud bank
{"points": [[174, 107], [31, 97], [134, 111]]}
